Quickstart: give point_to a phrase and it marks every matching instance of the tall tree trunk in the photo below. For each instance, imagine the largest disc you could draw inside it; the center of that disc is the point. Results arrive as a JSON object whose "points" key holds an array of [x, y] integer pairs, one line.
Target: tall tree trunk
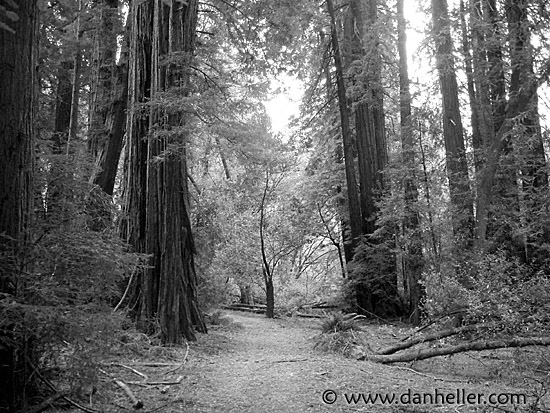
{"points": [[472, 95], [413, 260], [109, 95], [63, 99], [18, 48], [77, 65], [530, 157], [156, 197], [57, 174], [457, 167], [18, 60], [350, 240], [370, 137]]}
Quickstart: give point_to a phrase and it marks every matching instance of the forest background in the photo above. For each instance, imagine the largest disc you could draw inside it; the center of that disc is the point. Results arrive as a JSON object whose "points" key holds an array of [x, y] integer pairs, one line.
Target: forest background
{"points": [[140, 170]]}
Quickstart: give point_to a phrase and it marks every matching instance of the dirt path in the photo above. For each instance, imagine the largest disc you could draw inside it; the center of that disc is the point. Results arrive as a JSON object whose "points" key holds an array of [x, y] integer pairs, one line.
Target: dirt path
{"points": [[269, 366], [263, 365]]}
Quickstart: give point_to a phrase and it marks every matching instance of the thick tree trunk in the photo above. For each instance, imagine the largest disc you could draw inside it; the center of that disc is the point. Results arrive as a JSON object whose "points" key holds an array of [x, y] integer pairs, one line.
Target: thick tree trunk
{"points": [[413, 257], [18, 60], [350, 240], [457, 167], [156, 194]]}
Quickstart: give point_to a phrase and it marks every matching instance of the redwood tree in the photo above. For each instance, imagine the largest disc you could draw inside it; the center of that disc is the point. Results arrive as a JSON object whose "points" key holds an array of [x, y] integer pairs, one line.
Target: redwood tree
{"points": [[18, 47], [156, 192], [453, 132]]}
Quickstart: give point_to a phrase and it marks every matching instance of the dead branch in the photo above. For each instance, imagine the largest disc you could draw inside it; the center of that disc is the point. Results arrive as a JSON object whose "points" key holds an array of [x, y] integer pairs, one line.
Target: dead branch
{"points": [[431, 337], [159, 364], [481, 345], [431, 322], [139, 373], [127, 289], [290, 361], [157, 383], [136, 404], [182, 363]]}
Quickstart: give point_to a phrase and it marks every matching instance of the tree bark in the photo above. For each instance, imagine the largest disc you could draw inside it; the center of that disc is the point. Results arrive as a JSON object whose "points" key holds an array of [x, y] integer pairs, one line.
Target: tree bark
{"points": [[350, 240], [156, 195], [107, 118], [18, 82], [457, 167]]}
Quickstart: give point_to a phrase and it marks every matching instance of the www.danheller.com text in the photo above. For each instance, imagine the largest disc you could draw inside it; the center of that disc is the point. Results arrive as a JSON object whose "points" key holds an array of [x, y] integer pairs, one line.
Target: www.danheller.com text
{"points": [[436, 397]]}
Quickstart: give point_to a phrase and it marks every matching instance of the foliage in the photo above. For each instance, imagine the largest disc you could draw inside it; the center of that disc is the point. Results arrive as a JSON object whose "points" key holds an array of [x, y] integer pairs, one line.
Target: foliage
{"points": [[59, 319], [340, 322], [338, 335], [509, 292], [373, 268]]}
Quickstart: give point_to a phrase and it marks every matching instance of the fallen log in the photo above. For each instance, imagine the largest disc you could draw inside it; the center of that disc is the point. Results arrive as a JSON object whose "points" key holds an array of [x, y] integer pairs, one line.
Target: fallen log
{"points": [[480, 345], [431, 337], [245, 309]]}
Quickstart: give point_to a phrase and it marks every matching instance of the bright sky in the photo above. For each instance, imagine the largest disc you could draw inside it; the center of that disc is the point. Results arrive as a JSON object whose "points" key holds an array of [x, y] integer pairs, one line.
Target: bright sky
{"points": [[287, 91]]}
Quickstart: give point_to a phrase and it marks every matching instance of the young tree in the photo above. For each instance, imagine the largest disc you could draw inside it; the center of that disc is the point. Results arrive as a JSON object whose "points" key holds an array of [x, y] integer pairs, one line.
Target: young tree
{"points": [[413, 259]]}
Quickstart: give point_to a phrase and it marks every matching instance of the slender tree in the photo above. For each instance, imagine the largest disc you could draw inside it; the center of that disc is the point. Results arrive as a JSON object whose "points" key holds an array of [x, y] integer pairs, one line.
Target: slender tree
{"points": [[413, 260]]}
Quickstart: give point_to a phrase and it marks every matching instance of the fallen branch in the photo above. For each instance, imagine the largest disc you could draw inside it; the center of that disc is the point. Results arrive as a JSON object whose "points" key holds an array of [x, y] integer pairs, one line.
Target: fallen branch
{"points": [[431, 322], [127, 289], [159, 364], [481, 345], [290, 361], [182, 363], [137, 404], [157, 383], [131, 369], [431, 337]]}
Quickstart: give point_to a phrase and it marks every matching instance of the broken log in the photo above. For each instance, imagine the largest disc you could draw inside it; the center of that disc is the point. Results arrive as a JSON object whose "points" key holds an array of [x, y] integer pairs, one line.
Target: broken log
{"points": [[480, 345], [431, 337]]}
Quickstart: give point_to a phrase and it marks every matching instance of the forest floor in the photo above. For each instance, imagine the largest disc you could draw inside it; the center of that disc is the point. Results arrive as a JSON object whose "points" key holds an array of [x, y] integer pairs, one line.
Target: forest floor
{"points": [[248, 363]]}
